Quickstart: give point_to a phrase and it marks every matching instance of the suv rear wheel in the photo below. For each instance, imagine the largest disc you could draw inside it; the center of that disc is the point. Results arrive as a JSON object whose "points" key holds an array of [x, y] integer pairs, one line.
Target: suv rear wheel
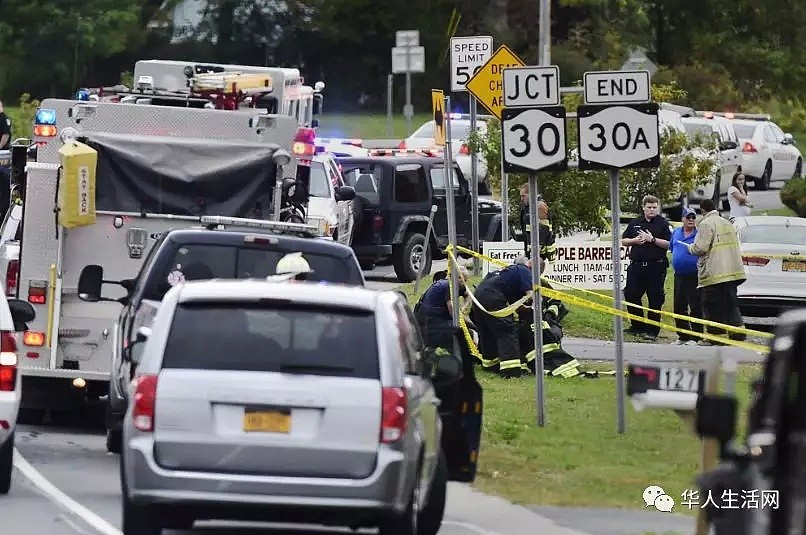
{"points": [[408, 256]]}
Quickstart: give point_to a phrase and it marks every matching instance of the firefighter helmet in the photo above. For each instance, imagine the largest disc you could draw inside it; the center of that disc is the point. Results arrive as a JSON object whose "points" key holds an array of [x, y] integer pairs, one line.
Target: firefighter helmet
{"points": [[293, 263]]}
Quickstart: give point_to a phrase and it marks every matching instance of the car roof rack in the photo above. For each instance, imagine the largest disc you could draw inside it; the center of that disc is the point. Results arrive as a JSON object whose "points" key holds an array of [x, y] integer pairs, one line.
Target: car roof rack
{"points": [[430, 153], [213, 222]]}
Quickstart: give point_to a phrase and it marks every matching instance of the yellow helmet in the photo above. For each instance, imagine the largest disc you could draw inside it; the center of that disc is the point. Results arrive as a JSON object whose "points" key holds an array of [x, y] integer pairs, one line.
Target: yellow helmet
{"points": [[293, 263]]}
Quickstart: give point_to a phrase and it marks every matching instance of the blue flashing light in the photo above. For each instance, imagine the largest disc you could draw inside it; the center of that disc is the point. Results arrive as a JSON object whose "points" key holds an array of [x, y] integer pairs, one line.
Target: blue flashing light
{"points": [[45, 116], [320, 149], [82, 94]]}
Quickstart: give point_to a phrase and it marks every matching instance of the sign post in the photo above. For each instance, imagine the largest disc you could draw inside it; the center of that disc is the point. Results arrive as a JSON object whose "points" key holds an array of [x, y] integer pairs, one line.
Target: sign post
{"points": [[487, 85], [534, 139], [451, 209], [618, 129], [468, 55], [408, 57]]}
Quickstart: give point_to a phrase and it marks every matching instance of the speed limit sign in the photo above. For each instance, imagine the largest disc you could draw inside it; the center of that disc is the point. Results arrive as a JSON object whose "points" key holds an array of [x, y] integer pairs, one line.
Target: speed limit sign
{"points": [[468, 55], [534, 139]]}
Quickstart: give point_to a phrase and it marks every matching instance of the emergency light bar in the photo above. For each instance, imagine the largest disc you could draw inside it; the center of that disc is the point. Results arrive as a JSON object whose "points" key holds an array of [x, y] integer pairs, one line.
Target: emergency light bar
{"points": [[403, 152], [212, 221], [743, 116], [45, 116]]}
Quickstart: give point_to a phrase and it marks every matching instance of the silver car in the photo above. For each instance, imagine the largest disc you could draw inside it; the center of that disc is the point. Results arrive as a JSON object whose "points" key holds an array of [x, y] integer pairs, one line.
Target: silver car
{"points": [[282, 402], [774, 254]]}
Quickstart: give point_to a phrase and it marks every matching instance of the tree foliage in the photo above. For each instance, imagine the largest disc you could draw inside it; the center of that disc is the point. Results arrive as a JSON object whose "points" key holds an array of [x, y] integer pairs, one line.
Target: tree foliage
{"points": [[580, 200]]}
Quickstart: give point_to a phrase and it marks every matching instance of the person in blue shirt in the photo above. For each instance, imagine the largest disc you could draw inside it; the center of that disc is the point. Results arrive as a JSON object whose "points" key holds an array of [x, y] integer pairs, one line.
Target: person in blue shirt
{"points": [[498, 337], [434, 311], [686, 295]]}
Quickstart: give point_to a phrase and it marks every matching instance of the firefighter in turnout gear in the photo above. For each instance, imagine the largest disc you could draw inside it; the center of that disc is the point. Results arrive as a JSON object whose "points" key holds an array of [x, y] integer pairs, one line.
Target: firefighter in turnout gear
{"points": [[548, 248], [498, 336], [556, 361]]}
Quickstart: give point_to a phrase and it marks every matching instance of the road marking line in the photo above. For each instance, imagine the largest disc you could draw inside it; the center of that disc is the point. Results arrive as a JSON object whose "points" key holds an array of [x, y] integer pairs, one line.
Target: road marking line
{"points": [[68, 503], [471, 527]]}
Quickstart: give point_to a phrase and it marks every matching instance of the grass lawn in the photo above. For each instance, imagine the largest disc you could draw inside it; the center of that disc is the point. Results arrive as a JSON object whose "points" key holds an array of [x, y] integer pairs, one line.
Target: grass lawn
{"points": [[777, 211], [368, 125]]}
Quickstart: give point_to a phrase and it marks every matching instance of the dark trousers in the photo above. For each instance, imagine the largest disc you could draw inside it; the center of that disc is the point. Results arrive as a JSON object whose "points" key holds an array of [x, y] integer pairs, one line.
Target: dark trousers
{"points": [[687, 302], [498, 337], [645, 278], [720, 304]]}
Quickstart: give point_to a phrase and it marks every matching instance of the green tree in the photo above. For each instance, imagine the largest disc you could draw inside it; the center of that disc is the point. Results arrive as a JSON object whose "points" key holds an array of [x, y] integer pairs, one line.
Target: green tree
{"points": [[580, 200]]}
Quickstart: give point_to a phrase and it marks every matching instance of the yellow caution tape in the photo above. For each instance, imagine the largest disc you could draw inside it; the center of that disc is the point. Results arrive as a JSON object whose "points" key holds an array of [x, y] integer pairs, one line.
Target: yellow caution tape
{"points": [[564, 296]]}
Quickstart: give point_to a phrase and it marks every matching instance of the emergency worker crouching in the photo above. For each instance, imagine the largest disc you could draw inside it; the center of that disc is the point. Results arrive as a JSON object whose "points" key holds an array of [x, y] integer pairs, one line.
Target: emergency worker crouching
{"points": [[499, 336], [434, 310]]}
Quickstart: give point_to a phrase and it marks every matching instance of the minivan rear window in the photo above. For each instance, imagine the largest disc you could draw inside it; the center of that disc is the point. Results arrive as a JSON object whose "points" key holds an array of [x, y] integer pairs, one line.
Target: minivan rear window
{"points": [[273, 337]]}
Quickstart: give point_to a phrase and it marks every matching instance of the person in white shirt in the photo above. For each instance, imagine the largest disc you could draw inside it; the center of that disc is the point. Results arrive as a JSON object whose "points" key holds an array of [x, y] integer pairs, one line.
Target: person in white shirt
{"points": [[738, 199]]}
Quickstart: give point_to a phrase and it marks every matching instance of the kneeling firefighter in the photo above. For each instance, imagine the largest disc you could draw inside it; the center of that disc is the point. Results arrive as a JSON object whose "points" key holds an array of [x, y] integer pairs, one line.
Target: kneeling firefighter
{"points": [[556, 361], [460, 408], [498, 336]]}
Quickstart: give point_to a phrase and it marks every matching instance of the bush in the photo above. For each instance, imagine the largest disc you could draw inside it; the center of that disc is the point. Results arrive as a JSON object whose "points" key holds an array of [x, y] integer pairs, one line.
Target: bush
{"points": [[22, 118], [793, 195]]}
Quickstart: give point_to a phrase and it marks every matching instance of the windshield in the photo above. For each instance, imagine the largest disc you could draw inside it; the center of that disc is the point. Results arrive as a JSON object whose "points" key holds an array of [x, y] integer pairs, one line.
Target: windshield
{"points": [[774, 234], [744, 131], [319, 181], [273, 337]]}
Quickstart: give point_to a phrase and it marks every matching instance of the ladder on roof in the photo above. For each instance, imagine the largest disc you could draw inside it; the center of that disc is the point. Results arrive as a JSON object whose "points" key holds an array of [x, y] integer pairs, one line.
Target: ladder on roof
{"points": [[231, 82]]}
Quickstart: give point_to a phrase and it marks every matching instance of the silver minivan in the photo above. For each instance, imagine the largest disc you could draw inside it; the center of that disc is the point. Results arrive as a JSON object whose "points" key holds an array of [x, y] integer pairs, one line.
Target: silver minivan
{"points": [[282, 402]]}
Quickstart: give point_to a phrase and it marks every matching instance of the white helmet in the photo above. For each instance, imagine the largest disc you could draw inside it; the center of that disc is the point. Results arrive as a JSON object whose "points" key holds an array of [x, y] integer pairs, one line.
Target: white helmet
{"points": [[293, 263]]}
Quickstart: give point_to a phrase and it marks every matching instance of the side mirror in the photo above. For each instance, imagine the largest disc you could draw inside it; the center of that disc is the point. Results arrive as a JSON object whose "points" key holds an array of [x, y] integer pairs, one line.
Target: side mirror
{"points": [[21, 313], [345, 193], [788, 139], [728, 145], [89, 283], [716, 417], [92, 278]]}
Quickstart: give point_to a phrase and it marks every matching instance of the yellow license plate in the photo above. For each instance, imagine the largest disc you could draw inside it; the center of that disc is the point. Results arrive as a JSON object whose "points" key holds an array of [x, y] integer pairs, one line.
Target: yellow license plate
{"points": [[794, 265], [263, 421]]}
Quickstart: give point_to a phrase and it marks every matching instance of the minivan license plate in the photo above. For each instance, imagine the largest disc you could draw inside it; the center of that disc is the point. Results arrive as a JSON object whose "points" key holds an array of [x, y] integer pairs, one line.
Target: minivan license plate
{"points": [[266, 421]]}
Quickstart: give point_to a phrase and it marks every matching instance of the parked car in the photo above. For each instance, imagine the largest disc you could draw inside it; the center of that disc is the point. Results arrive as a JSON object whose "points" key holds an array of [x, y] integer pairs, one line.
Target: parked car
{"points": [[283, 402], [769, 153], [728, 155], [14, 315], [774, 284], [423, 138]]}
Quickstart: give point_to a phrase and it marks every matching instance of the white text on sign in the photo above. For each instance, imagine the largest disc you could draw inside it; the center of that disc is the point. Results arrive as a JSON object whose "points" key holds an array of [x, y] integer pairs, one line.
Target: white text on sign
{"points": [[586, 264], [532, 86], [625, 87]]}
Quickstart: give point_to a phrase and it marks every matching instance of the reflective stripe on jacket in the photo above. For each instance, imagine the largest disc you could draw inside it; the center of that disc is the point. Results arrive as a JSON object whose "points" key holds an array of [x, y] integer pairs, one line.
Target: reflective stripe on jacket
{"points": [[717, 245]]}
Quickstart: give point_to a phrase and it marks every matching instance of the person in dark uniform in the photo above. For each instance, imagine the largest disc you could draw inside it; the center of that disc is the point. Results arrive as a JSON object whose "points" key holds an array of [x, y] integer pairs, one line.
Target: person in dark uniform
{"points": [[434, 311], [648, 238], [498, 337], [547, 246]]}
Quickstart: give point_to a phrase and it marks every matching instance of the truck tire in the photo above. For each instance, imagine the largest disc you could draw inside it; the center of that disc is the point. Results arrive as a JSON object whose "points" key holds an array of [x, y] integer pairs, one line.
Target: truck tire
{"points": [[6, 464], [406, 257]]}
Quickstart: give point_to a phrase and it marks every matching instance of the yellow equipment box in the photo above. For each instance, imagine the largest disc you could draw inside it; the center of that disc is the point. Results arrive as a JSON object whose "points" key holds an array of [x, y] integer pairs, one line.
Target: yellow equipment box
{"points": [[77, 184]]}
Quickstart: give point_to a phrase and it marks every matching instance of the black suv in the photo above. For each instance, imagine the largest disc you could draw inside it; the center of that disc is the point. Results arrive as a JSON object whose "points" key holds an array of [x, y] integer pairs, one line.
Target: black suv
{"points": [[395, 194]]}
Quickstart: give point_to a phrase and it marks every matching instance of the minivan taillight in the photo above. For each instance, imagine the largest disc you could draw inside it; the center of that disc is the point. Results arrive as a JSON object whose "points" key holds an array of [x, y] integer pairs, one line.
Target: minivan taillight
{"points": [[393, 415], [12, 277], [145, 397], [8, 362]]}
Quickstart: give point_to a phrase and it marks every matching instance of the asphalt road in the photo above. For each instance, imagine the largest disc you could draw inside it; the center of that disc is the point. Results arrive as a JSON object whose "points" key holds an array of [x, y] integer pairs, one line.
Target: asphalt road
{"points": [[67, 484]]}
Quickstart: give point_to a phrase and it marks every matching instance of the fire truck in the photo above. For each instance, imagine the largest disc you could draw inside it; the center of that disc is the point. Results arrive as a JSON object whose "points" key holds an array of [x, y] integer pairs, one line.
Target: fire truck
{"points": [[106, 180]]}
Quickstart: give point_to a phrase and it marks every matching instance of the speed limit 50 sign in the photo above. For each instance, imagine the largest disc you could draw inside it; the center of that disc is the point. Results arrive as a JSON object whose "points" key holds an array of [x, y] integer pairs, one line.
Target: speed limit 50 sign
{"points": [[468, 55], [534, 139]]}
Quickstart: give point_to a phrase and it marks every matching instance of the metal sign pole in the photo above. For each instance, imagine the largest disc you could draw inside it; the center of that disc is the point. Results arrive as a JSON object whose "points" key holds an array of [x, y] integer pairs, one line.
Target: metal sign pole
{"points": [[504, 201], [451, 208], [389, 87], [407, 111], [615, 203], [537, 308], [474, 190]]}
